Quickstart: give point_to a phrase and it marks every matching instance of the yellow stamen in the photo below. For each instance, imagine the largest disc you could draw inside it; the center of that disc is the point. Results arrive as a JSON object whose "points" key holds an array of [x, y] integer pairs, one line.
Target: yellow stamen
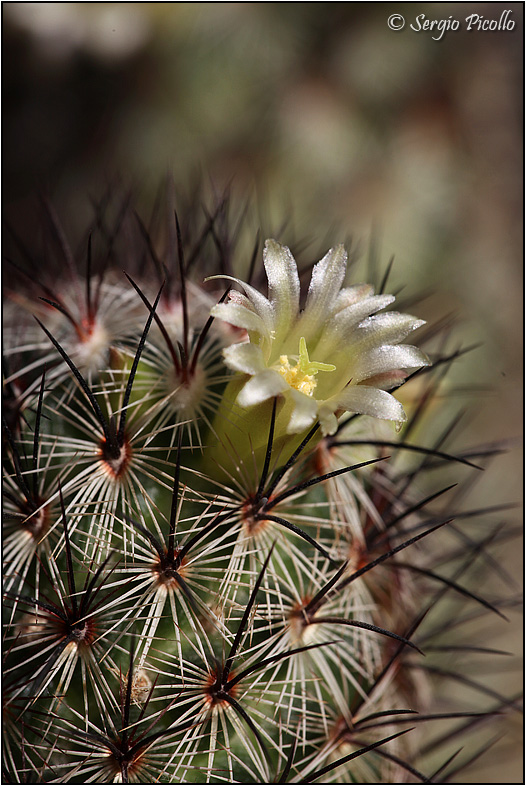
{"points": [[302, 376]]}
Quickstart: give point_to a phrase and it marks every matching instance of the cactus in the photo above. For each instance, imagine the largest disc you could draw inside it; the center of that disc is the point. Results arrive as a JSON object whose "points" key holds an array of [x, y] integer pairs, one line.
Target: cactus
{"points": [[227, 559]]}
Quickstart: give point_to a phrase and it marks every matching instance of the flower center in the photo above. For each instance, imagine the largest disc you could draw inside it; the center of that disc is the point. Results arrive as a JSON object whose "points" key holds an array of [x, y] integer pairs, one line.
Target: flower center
{"points": [[302, 376]]}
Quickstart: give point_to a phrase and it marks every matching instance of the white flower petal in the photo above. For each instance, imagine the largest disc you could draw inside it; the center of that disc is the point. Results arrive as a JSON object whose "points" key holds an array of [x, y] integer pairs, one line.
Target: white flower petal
{"points": [[246, 358], [370, 401], [387, 381], [328, 420], [305, 412], [241, 300], [355, 313], [283, 284], [386, 358], [241, 317], [262, 306], [350, 295], [390, 328], [338, 330], [325, 284], [262, 386]]}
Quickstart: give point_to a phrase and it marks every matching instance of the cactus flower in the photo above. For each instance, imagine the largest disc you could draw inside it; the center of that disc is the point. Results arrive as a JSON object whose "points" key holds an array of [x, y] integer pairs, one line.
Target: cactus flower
{"points": [[335, 355]]}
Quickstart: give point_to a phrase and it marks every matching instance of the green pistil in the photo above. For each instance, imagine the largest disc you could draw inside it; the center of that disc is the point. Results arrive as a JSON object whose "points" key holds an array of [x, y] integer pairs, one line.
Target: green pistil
{"points": [[308, 366]]}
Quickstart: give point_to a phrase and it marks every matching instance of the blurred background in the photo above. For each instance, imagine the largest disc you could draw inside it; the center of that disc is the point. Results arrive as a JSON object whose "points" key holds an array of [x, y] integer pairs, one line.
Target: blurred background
{"points": [[322, 111]]}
